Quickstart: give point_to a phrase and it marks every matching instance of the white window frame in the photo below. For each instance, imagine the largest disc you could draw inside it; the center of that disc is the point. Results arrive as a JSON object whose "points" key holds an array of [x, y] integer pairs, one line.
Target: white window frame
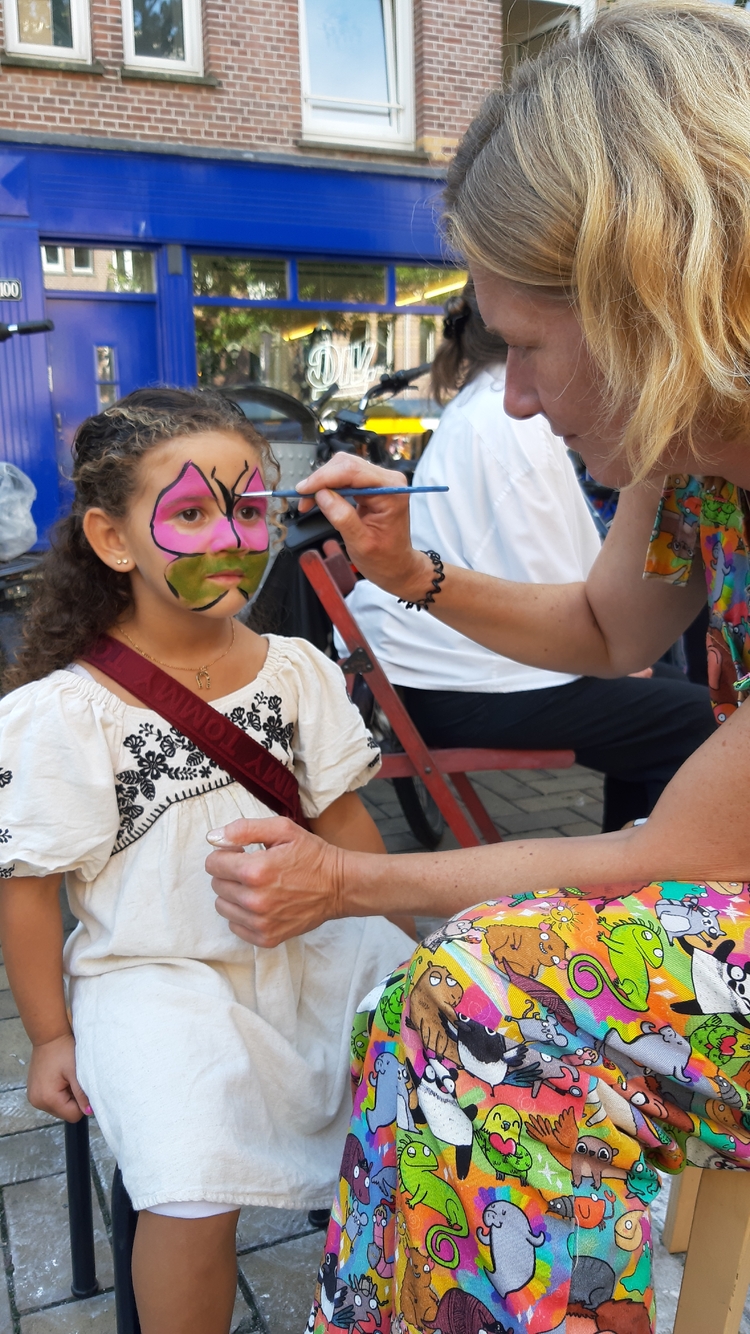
{"points": [[399, 45], [47, 265], [193, 28], [81, 26]]}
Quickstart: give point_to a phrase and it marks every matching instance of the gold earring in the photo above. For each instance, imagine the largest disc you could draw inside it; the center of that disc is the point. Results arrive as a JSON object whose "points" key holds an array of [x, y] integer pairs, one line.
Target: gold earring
{"points": [[125, 560]]}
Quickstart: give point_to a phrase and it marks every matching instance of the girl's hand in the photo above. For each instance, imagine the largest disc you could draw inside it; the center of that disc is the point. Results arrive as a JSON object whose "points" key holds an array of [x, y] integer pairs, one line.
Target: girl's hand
{"points": [[289, 887], [52, 1084], [376, 531]]}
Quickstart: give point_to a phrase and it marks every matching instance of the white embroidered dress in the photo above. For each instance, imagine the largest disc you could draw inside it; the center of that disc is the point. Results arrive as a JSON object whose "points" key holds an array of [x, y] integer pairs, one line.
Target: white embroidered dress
{"points": [[217, 1070]]}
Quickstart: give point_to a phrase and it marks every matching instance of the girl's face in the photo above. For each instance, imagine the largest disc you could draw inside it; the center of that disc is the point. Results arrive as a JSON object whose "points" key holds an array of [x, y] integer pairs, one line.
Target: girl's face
{"points": [[549, 371], [193, 536]]}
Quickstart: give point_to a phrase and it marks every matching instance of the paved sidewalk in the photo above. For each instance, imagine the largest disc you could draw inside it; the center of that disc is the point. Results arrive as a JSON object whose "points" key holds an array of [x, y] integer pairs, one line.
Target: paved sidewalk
{"points": [[278, 1253]]}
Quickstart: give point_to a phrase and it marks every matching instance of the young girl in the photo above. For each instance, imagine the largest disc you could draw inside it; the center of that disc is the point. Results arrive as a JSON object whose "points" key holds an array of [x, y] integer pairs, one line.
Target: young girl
{"points": [[217, 1070]]}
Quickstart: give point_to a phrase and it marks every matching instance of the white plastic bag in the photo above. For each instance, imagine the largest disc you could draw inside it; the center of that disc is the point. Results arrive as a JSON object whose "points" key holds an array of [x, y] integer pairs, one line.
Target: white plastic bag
{"points": [[17, 528]]}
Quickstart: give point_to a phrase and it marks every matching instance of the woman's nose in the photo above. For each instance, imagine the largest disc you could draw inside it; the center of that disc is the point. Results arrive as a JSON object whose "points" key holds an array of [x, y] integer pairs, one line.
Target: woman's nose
{"points": [[521, 398]]}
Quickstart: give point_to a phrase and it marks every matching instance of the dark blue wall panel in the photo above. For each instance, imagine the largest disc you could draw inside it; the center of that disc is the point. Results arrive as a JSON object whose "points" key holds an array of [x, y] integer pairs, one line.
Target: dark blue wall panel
{"points": [[85, 194], [27, 436]]}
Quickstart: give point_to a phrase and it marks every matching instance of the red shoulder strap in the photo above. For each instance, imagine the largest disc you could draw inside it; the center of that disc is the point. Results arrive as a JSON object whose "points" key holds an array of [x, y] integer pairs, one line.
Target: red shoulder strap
{"points": [[238, 754]]}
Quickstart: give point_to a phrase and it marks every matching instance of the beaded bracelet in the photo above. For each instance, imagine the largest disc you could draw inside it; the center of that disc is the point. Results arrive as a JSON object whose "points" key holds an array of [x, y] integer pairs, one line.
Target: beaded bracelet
{"points": [[423, 603]]}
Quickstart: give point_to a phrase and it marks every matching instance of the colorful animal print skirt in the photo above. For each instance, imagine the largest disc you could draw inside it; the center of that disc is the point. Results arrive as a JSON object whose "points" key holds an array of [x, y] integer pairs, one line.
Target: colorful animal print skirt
{"points": [[517, 1085]]}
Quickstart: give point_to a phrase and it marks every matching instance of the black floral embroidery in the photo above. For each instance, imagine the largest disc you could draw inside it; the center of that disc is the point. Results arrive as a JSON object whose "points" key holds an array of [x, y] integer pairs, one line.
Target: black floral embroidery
{"points": [[5, 777], [168, 767], [5, 836], [7, 871]]}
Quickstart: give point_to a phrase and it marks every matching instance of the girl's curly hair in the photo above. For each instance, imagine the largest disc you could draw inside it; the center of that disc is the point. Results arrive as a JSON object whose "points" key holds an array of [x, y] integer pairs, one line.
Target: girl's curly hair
{"points": [[79, 597]]}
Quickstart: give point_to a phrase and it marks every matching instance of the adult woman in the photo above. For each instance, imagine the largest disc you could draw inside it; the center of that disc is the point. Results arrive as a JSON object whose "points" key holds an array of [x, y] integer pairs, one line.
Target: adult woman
{"points": [[516, 511], [603, 207]]}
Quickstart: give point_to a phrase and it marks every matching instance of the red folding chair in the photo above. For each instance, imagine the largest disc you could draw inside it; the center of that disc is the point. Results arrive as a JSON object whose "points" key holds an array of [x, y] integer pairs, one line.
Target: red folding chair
{"points": [[333, 578]]}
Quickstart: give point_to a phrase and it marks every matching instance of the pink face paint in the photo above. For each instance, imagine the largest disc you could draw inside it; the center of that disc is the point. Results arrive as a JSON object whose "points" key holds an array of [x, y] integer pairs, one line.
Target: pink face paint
{"points": [[240, 526], [234, 540]]}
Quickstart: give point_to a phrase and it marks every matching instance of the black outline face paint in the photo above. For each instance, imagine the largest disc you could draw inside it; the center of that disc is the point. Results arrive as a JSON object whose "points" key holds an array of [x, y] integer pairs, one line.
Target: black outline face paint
{"points": [[227, 546]]}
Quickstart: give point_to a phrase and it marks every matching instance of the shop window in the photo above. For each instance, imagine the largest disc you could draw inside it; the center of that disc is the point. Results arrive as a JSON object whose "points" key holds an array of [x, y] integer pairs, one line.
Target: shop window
{"points": [[56, 28], [53, 259], [253, 279], [303, 352], [163, 35], [424, 286], [357, 70], [80, 269], [105, 376], [353, 283]]}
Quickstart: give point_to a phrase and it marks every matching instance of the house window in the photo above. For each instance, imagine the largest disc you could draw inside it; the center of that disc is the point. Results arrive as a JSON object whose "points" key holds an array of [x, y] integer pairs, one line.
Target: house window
{"points": [[53, 259], [163, 35], [357, 69], [83, 260], [56, 28]]}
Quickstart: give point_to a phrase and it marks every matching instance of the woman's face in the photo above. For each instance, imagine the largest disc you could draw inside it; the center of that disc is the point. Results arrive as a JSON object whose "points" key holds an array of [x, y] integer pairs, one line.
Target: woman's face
{"points": [[196, 541], [549, 371]]}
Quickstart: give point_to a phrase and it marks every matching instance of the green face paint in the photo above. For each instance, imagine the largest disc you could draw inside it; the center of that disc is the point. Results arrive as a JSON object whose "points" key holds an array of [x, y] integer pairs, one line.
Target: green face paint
{"points": [[189, 576]]}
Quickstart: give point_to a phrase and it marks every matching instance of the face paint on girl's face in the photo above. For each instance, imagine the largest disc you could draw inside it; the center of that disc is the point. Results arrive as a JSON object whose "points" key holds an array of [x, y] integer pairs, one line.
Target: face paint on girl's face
{"points": [[214, 532]]}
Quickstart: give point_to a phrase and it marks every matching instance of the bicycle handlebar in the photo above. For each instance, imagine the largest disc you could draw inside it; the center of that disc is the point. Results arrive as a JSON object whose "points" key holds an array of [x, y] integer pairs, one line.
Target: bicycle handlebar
{"points": [[30, 327], [392, 381]]}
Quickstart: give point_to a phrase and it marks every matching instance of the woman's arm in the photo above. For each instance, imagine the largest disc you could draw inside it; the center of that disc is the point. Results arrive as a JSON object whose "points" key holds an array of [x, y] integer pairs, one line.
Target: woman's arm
{"points": [[347, 824], [697, 831], [613, 624], [32, 936]]}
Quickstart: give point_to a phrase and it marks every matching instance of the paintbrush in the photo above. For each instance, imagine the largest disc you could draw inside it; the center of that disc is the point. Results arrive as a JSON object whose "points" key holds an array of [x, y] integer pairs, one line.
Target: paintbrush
{"points": [[349, 491]]}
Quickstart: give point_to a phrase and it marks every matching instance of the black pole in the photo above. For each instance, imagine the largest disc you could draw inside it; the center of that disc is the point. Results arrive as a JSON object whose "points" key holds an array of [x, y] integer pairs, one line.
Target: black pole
{"points": [[80, 1211], [124, 1220]]}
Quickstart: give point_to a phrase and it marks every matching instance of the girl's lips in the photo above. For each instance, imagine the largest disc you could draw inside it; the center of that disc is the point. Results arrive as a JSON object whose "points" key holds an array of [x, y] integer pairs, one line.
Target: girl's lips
{"points": [[227, 577]]}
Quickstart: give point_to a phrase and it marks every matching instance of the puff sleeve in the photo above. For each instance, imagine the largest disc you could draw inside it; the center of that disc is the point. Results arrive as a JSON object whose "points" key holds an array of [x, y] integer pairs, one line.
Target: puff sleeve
{"points": [[58, 807], [333, 751]]}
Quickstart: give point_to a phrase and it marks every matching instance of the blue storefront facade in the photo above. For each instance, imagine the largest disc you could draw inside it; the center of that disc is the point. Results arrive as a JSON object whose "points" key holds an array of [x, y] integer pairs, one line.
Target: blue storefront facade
{"points": [[259, 254]]}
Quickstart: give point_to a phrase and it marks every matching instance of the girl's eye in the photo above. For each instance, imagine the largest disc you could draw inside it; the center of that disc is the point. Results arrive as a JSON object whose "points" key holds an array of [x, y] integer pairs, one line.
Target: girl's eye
{"points": [[191, 515], [247, 513]]}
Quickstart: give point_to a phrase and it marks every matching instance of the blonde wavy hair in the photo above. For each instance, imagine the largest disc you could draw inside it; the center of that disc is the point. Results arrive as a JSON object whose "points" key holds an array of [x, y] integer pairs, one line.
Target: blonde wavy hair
{"points": [[615, 171]]}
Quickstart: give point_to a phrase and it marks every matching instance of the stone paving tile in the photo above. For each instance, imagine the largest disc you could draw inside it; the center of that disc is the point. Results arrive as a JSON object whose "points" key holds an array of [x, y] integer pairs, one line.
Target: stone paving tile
{"points": [[527, 822], [37, 1214], [260, 1226], [96, 1315], [8, 1008], [574, 798], [536, 833], [282, 1279], [15, 1050], [580, 829], [31, 1154], [504, 782], [16, 1113], [6, 1317]]}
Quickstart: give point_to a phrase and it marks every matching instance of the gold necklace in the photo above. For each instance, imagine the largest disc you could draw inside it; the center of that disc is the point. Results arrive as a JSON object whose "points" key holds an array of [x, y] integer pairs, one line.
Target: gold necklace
{"points": [[201, 673]]}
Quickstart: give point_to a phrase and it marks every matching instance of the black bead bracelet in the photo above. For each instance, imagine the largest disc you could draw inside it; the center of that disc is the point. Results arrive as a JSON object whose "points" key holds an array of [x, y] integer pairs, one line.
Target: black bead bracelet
{"points": [[423, 603]]}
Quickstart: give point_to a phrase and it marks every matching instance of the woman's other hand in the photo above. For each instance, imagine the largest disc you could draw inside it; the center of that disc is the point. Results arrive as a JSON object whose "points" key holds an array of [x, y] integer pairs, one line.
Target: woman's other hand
{"points": [[289, 886], [376, 530], [53, 1086]]}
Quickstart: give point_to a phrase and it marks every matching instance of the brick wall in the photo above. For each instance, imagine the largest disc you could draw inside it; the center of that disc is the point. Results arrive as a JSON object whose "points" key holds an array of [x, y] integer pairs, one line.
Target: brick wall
{"points": [[458, 58], [252, 48]]}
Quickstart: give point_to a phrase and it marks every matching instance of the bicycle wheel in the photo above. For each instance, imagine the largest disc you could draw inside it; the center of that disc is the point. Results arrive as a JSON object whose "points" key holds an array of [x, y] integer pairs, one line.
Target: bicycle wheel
{"points": [[420, 810]]}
